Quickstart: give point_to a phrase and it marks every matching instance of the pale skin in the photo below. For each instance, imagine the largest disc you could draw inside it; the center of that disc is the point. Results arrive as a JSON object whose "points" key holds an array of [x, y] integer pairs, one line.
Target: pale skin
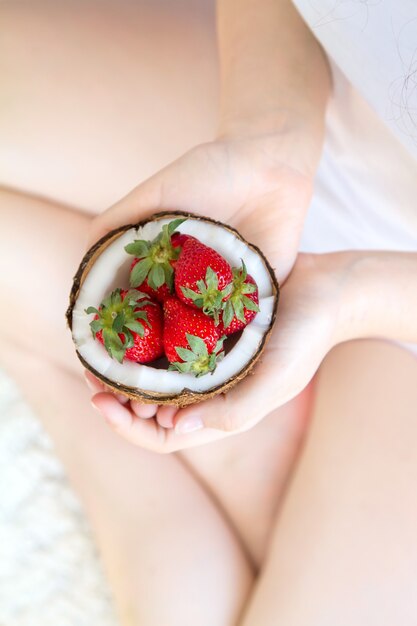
{"points": [[335, 481]]}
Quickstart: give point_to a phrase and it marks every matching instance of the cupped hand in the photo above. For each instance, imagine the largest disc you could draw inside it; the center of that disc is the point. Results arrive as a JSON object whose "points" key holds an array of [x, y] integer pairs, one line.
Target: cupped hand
{"points": [[307, 327], [260, 185]]}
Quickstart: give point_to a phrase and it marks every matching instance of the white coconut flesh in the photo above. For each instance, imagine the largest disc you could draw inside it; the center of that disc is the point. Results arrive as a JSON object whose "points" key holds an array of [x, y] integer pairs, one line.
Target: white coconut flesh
{"points": [[111, 270]]}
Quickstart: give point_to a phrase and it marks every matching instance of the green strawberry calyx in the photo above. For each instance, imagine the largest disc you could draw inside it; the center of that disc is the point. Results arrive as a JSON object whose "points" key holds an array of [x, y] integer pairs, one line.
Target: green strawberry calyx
{"points": [[117, 315], [209, 297], [238, 302], [155, 258], [196, 358]]}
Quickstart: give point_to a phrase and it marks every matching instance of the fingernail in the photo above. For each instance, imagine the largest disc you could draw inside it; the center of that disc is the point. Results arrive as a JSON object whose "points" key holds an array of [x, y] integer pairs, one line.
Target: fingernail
{"points": [[122, 399], [95, 406], [188, 425]]}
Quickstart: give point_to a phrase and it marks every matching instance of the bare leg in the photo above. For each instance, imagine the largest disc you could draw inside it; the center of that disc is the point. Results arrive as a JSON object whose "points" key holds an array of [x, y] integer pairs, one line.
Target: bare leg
{"points": [[248, 473], [169, 555], [86, 140], [66, 151], [101, 95], [153, 521], [344, 549]]}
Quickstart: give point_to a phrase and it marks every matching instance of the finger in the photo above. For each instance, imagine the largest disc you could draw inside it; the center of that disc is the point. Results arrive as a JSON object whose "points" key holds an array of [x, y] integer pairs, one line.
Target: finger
{"points": [[93, 383], [116, 414], [147, 433], [276, 229], [236, 411], [142, 201], [184, 184], [165, 415], [145, 411]]}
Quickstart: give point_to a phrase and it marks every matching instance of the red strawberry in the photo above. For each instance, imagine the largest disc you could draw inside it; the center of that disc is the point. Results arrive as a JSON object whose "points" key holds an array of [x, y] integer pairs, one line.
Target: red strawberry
{"points": [[153, 267], [203, 278], [178, 239], [160, 293], [129, 326], [242, 306], [191, 340]]}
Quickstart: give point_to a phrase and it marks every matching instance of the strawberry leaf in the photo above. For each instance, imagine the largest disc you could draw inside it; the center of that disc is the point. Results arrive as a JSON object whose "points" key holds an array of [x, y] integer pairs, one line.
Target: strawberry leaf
{"points": [[197, 345], [184, 368], [169, 276], [138, 248], [243, 271], [137, 327], [248, 288], [202, 286], [249, 304], [113, 345], [172, 226], [185, 354], [140, 272], [118, 322], [189, 293], [156, 276], [115, 297], [227, 291], [239, 310], [134, 295], [212, 280], [95, 326], [129, 341], [228, 314], [141, 315]]}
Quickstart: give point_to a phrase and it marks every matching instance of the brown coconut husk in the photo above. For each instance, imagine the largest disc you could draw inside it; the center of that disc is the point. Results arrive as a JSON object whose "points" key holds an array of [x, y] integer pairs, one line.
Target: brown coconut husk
{"points": [[186, 396]]}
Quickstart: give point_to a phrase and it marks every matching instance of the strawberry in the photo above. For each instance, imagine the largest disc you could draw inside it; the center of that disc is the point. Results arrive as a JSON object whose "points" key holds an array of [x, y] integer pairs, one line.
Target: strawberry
{"points": [[179, 239], [160, 294], [129, 326], [191, 340], [153, 267], [242, 306], [203, 278]]}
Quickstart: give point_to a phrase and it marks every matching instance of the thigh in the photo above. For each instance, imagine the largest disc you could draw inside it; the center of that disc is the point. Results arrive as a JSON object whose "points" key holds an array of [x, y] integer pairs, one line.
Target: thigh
{"points": [[344, 549], [169, 556], [105, 82], [100, 95], [247, 474]]}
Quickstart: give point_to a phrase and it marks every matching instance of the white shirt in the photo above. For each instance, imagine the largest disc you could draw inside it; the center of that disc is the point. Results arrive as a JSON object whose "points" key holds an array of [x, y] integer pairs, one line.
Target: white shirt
{"points": [[366, 187]]}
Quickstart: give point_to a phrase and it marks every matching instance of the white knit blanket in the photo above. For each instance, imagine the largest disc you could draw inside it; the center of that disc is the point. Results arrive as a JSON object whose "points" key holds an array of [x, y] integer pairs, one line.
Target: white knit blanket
{"points": [[49, 571]]}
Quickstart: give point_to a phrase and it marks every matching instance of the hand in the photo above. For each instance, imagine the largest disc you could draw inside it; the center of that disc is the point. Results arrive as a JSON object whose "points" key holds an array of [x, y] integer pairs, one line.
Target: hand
{"points": [[260, 185], [308, 325]]}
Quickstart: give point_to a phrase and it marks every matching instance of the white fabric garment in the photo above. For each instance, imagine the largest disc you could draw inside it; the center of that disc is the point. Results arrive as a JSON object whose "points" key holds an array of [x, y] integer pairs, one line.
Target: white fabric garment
{"points": [[366, 187]]}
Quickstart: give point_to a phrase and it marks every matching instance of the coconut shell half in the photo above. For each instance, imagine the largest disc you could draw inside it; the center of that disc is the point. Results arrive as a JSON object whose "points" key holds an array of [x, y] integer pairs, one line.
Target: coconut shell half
{"points": [[188, 393]]}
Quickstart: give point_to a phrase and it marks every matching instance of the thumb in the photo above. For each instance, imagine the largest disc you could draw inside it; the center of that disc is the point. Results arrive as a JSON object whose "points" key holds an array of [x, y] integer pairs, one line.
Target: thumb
{"points": [[138, 204], [238, 410]]}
